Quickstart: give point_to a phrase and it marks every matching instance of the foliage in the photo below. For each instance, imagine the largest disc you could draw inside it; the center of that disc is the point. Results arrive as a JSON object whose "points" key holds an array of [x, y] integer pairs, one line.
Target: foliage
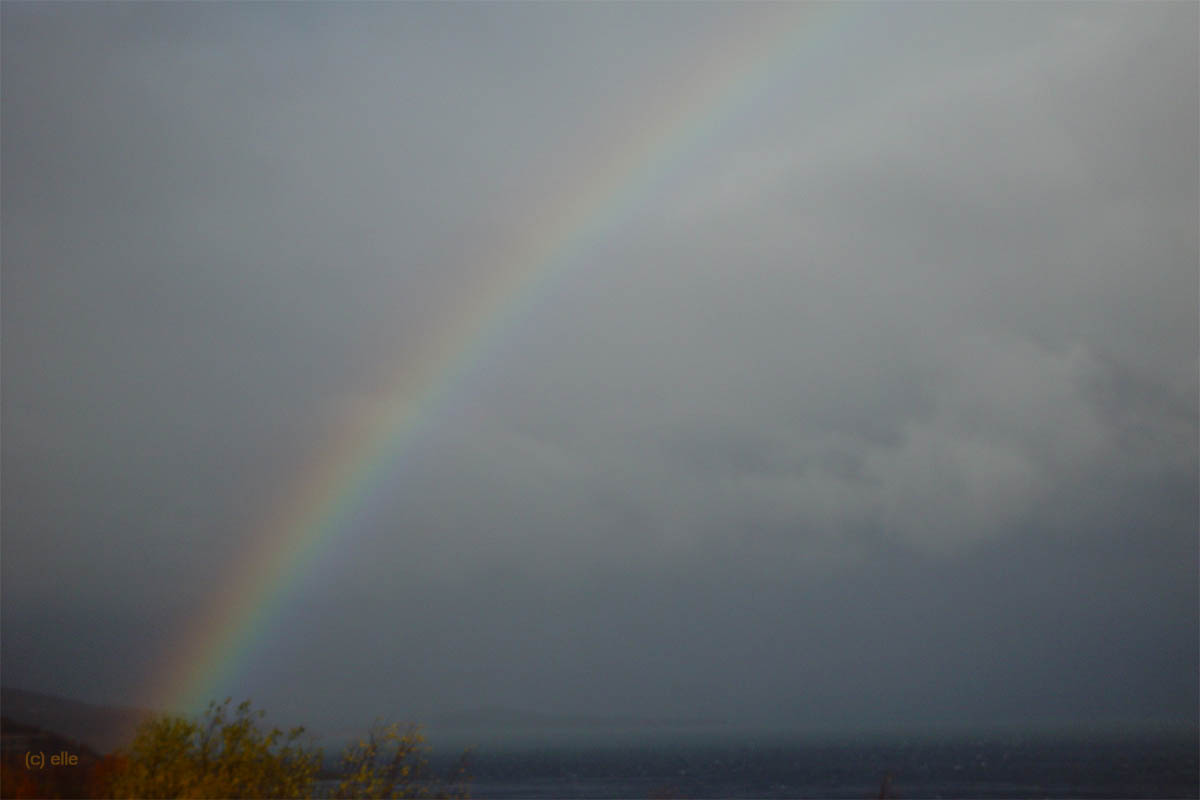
{"points": [[222, 756], [104, 773], [228, 755], [390, 763]]}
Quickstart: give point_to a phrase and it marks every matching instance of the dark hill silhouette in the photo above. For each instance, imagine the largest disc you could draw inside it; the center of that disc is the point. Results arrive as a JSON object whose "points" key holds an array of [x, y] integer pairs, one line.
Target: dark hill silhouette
{"points": [[103, 729], [514, 718], [18, 737]]}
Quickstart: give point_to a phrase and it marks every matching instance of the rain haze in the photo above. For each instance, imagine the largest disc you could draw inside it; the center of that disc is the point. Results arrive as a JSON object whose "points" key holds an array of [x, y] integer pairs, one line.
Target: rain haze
{"points": [[862, 393]]}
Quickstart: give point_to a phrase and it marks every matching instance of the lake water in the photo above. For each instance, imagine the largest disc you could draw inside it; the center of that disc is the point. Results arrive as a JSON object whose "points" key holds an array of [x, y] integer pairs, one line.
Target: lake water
{"points": [[1148, 766]]}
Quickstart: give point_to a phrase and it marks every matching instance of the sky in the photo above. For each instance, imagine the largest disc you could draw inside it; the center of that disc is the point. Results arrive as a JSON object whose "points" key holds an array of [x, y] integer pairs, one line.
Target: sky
{"points": [[864, 393]]}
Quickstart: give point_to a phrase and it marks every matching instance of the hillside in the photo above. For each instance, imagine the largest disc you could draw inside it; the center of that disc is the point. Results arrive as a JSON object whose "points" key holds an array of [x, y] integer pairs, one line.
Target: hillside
{"points": [[101, 728]]}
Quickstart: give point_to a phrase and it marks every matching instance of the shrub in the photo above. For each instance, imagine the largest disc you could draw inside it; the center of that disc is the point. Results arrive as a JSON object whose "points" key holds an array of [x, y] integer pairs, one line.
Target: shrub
{"points": [[223, 756], [390, 763], [229, 755]]}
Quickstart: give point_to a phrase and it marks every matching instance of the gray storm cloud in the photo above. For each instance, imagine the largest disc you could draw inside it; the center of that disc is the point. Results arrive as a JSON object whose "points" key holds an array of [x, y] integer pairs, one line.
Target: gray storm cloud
{"points": [[900, 359]]}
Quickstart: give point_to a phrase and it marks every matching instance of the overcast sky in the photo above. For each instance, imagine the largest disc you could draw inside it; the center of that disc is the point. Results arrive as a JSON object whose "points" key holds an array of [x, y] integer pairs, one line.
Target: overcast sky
{"points": [[877, 405]]}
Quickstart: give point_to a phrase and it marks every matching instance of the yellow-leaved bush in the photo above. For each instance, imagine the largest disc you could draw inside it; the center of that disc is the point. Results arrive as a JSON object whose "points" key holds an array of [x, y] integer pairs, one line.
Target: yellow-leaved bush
{"points": [[229, 755], [393, 763]]}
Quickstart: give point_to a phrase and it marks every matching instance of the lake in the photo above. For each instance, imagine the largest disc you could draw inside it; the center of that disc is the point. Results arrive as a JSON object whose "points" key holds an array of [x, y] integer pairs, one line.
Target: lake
{"points": [[1129, 766]]}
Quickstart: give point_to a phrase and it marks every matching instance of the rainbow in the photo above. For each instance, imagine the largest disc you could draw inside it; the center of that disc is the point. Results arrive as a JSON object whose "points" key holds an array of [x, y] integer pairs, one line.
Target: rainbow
{"points": [[205, 660]]}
